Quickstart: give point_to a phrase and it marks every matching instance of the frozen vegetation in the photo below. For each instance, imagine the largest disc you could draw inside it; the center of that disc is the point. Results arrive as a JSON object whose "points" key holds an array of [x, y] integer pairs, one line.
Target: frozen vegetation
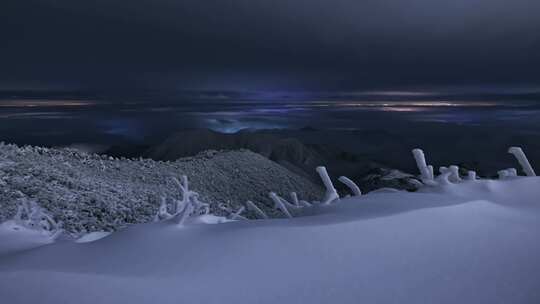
{"points": [[458, 239], [89, 192]]}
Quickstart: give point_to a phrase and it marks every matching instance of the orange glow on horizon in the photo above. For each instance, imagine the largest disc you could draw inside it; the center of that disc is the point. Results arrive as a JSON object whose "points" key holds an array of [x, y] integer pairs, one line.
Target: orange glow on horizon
{"points": [[26, 103]]}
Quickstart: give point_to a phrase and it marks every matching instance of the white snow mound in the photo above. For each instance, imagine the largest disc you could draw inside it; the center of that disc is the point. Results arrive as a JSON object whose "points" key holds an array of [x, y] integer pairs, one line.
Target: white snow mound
{"points": [[469, 242]]}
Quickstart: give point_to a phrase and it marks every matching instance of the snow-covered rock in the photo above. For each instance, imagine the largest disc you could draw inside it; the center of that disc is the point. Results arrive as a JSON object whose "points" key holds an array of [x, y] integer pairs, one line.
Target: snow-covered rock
{"points": [[380, 177]]}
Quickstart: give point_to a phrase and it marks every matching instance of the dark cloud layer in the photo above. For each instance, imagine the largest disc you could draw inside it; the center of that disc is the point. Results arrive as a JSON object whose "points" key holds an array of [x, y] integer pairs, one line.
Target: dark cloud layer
{"points": [[278, 44]]}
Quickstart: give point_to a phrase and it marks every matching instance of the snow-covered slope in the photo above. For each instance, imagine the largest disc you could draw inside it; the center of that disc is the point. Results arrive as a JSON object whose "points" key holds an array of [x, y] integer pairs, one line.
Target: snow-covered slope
{"points": [[468, 242], [94, 193]]}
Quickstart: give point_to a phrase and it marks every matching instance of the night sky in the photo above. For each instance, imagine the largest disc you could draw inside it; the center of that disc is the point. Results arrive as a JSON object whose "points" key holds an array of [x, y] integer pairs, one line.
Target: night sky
{"points": [[284, 45]]}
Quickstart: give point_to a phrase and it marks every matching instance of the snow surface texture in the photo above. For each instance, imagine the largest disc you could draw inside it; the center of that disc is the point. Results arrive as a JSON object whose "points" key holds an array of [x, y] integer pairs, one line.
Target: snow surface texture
{"points": [[97, 193], [469, 242], [456, 240]]}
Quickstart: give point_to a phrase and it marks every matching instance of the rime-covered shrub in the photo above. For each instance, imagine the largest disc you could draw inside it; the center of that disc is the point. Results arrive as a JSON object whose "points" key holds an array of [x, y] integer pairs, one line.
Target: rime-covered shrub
{"points": [[31, 216], [90, 192]]}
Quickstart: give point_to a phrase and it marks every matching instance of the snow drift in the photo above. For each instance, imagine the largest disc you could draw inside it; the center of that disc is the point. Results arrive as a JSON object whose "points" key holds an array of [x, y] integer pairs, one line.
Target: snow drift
{"points": [[445, 246], [457, 240]]}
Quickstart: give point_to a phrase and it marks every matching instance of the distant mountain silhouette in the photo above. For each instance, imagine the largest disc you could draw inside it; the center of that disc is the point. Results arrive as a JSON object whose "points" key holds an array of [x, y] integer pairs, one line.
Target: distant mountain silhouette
{"points": [[289, 152]]}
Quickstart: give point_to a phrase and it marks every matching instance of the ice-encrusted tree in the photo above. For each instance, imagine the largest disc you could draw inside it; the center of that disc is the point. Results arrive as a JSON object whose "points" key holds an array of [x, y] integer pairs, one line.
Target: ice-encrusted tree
{"points": [[182, 208], [449, 175], [351, 185], [31, 216], [522, 159], [258, 211], [293, 207], [426, 172], [331, 193]]}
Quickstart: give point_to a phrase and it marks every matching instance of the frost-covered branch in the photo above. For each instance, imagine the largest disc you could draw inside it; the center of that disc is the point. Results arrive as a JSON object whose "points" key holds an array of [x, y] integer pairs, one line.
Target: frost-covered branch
{"points": [[426, 173], [251, 206], [431, 173], [512, 172], [188, 205], [522, 159], [294, 198], [278, 203], [454, 174], [297, 202], [444, 178], [31, 215], [163, 213], [471, 175], [181, 216], [352, 185], [236, 215], [331, 193], [231, 214], [507, 173]]}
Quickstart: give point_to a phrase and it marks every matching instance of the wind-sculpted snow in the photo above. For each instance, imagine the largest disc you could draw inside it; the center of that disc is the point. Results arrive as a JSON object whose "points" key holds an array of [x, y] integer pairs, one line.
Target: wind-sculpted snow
{"points": [[473, 242], [456, 240], [99, 193]]}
